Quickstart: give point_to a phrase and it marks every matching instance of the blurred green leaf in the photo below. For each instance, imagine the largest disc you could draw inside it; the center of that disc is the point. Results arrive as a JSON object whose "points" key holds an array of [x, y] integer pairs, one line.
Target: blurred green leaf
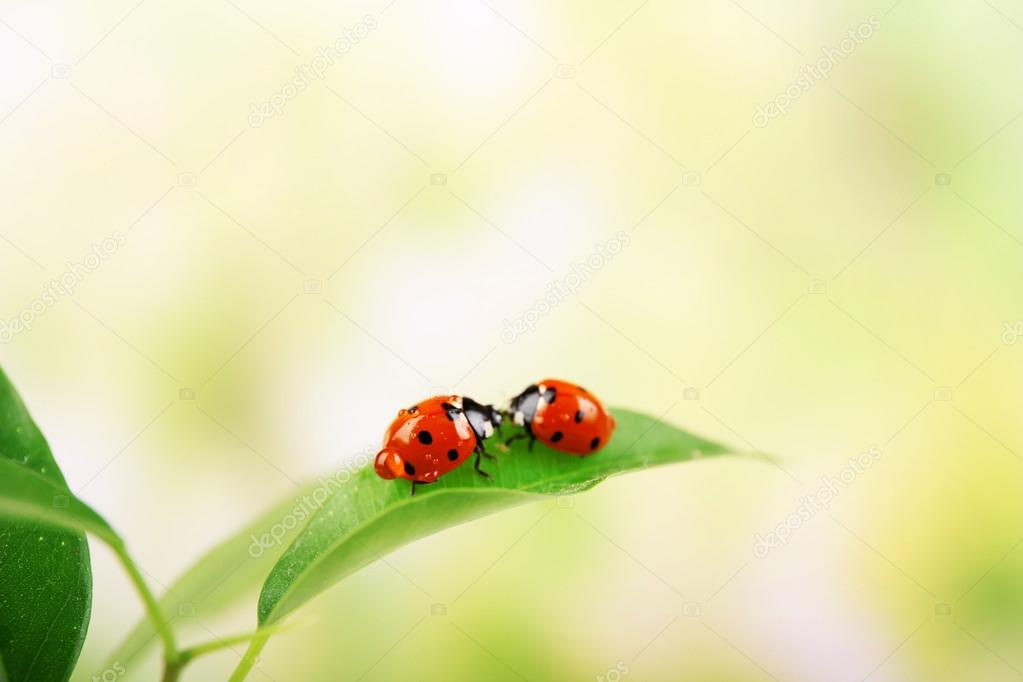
{"points": [[215, 582], [367, 517], [45, 574]]}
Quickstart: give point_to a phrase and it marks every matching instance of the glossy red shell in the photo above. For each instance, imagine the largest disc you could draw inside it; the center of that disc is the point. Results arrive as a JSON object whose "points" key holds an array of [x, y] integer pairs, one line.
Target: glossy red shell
{"points": [[424, 442], [576, 423]]}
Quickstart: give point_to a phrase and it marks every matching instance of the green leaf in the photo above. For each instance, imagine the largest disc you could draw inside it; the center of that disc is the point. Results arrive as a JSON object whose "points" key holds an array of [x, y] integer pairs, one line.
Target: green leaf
{"points": [[33, 497], [367, 517], [45, 574]]}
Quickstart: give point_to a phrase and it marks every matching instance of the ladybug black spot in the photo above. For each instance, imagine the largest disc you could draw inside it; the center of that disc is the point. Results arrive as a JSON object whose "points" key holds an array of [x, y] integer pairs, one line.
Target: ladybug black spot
{"points": [[409, 469], [578, 416], [452, 454], [558, 435], [550, 395], [595, 443], [413, 409], [425, 438]]}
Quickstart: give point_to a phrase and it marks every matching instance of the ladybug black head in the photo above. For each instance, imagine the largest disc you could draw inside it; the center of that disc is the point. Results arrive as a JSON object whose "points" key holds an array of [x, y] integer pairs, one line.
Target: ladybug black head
{"points": [[483, 419], [523, 407]]}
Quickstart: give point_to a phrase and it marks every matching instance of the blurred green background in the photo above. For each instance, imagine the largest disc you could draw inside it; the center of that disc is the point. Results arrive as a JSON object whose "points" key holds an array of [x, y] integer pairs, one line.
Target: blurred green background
{"points": [[810, 285]]}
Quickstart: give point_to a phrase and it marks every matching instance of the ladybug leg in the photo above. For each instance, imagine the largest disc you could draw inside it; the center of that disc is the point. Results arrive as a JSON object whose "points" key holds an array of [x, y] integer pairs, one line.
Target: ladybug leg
{"points": [[479, 451], [415, 483], [517, 436], [527, 433]]}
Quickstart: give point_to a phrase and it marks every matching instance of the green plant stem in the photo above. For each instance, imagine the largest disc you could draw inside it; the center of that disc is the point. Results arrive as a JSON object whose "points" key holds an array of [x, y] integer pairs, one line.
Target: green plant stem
{"points": [[174, 659], [190, 654], [170, 647], [171, 673], [172, 670], [249, 659]]}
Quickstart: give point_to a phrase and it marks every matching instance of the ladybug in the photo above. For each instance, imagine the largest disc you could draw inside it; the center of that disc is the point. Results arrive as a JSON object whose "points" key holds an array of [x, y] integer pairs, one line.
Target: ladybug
{"points": [[562, 416], [435, 436]]}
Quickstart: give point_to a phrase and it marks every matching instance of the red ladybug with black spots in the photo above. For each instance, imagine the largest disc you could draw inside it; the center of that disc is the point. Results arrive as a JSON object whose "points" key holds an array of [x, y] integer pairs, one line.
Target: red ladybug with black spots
{"points": [[435, 436], [563, 416]]}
